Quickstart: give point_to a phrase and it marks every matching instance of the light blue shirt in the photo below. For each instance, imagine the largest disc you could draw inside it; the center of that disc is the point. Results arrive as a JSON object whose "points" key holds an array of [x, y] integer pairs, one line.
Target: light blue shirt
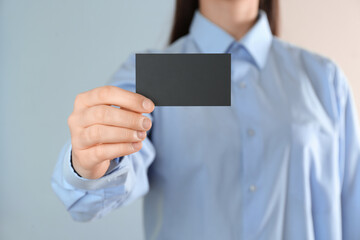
{"points": [[283, 162]]}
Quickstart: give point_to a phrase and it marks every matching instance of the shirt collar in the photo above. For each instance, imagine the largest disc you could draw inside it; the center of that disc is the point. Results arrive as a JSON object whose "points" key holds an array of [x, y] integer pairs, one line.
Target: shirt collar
{"points": [[210, 38]]}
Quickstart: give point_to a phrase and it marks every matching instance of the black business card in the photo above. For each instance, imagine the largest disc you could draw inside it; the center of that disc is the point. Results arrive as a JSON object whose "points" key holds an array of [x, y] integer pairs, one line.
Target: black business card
{"points": [[184, 79]]}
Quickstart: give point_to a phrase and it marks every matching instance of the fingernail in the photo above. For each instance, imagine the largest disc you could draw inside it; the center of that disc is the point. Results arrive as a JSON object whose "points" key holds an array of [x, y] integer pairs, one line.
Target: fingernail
{"points": [[147, 104], [140, 134], [136, 145], [146, 123]]}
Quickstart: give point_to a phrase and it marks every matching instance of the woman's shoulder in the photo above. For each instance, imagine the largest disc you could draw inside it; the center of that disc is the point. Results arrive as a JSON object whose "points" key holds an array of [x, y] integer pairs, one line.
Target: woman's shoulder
{"points": [[318, 68], [301, 56], [323, 73]]}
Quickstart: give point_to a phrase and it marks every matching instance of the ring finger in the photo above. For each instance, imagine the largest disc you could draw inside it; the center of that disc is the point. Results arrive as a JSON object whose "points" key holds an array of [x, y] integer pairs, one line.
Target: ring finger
{"points": [[97, 134]]}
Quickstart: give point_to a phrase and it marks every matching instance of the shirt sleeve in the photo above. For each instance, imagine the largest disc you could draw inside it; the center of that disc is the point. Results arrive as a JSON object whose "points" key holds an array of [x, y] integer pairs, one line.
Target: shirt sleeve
{"points": [[349, 153], [125, 180]]}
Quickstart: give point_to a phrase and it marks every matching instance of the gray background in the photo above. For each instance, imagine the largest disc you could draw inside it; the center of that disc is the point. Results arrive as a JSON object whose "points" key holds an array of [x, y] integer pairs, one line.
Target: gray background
{"points": [[49, 52], [52, 50]]}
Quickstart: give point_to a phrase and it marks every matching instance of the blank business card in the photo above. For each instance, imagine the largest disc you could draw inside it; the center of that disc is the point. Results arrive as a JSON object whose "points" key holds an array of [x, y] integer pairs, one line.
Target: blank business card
{"points": [[184, 79]]}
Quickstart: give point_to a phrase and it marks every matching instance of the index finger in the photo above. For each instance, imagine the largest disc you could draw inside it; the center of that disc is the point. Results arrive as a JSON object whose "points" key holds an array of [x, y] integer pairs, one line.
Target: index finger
{"points": [[111, 95]]}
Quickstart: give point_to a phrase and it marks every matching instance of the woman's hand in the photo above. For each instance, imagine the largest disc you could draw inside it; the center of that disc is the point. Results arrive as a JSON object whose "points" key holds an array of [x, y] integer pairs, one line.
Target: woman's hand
{"points": [[101, 132]]}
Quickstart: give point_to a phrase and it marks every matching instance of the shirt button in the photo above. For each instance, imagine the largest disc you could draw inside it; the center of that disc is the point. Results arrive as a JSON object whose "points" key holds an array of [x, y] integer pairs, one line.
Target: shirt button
{"points": [[242, 84], [251, 132], [252, 188]]}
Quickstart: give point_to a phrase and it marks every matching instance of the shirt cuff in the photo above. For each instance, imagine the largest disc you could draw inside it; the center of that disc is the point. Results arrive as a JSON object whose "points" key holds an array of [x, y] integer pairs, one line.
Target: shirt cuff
{"points": [[119, 173]]}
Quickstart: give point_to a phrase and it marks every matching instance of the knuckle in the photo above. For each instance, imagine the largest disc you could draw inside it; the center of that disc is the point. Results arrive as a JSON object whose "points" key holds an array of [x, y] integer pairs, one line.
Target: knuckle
{"points": [[100, 114], [94, 133], [70, 120], [106, 114], [128, 135], [78, 99], [104, 92], [136, 121]]}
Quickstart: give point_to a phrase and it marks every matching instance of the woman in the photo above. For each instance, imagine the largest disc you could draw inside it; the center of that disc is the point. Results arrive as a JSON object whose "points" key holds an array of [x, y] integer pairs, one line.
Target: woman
{"points": [[283, 162]]}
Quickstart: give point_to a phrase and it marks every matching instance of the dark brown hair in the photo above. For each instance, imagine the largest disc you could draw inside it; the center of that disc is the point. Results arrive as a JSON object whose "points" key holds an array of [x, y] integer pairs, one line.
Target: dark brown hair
{"points": [[185, 9]]}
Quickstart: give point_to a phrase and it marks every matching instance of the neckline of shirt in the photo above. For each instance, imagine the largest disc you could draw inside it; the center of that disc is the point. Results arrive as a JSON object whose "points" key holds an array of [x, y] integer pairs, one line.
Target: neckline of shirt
{"points": [[210, 38]]}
